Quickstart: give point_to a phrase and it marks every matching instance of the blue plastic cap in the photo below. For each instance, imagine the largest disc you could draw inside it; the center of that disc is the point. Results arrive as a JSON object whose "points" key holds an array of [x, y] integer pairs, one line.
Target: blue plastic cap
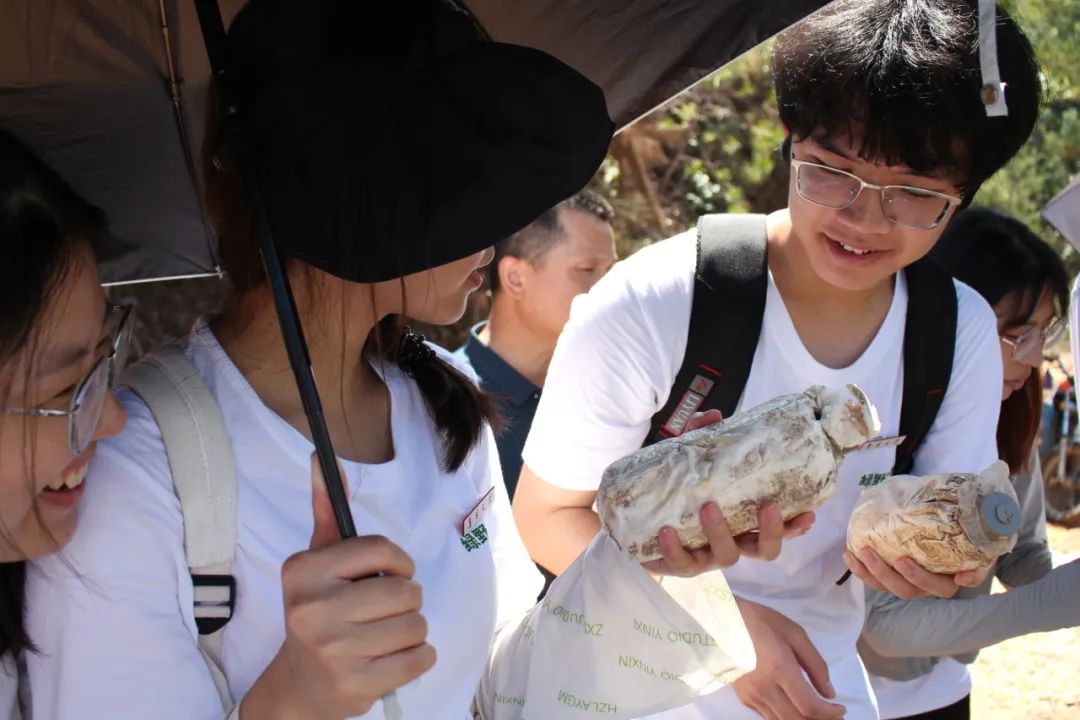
{"points": [[1000, 514]]}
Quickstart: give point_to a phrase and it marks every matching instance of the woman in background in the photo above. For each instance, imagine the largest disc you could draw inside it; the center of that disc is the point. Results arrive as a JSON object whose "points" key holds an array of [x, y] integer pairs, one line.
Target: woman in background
{"points": [[918, 651]]}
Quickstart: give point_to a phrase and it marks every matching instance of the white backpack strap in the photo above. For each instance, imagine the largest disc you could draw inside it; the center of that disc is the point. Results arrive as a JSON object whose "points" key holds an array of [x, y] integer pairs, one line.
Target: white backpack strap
{"points": [[204, 477]]}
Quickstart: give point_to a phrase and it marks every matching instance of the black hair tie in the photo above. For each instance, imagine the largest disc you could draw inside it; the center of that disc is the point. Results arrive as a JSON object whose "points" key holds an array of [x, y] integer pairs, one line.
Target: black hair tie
{"points": [[413, 352]]}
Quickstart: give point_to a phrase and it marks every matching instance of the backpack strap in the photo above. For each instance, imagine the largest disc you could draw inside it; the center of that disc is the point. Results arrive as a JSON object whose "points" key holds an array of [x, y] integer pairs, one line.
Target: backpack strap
{"points": [[201, 461], [929, 346], [730, 285]]}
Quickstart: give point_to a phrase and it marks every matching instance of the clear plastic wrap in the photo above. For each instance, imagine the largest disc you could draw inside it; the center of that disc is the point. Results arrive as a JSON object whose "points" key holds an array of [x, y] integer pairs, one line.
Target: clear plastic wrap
{"points": [[946, 523], [785, 451]]}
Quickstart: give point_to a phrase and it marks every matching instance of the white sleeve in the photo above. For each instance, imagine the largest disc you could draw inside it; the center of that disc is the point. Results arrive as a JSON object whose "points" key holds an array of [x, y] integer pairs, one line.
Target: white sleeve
{"points": [[963, 437], [613, 365], [111, 615], [517, 580]]}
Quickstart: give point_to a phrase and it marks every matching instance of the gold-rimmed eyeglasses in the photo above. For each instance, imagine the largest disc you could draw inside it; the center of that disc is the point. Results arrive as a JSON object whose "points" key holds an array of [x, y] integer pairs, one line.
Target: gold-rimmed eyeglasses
{"points": [[905, 205]]}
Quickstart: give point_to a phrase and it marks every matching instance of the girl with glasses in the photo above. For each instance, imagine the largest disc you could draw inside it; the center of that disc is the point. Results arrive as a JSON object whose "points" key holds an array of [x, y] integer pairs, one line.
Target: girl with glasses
{"points": [[61, 346], [918, 651]]}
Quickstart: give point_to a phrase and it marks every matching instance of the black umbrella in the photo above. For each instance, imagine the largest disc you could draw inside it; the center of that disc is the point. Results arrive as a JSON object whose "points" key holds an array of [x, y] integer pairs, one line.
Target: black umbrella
{"points": [[113, 96]]}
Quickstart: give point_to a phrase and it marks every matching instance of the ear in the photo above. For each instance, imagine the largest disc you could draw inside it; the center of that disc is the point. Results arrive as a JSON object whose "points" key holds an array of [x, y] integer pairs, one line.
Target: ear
{"points": [[512, 275]]}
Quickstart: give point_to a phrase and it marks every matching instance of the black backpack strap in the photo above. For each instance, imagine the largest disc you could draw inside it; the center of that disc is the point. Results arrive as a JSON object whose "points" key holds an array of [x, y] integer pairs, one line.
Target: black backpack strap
{"points": [[725, 321], [929, 346]]}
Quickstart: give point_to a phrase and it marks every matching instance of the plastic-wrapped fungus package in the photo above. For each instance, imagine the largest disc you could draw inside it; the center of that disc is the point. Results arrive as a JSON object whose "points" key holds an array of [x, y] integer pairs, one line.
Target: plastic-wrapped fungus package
{"points": [[946, 523], [785, 451]]}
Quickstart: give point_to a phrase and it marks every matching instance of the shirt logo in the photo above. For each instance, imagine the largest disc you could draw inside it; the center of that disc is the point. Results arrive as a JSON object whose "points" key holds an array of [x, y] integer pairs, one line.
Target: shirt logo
{"points": [[475, 538], [473, 532], [872, 479]]}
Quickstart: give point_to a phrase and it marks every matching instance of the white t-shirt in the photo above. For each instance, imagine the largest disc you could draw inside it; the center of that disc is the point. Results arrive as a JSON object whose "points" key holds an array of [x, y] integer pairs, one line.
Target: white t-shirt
{"points": [[113, 616], [9, 688], [948, 683], [613, 369]]}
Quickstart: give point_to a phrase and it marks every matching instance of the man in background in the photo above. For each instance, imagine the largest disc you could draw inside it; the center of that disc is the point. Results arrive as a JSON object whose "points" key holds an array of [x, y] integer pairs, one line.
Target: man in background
{"points": [[536, 274]]}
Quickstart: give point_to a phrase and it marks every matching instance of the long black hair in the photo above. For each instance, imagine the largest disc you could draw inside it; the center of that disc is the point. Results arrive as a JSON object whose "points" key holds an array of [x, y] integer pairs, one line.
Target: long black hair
{"points": [[44, 230], [1000, 257]]}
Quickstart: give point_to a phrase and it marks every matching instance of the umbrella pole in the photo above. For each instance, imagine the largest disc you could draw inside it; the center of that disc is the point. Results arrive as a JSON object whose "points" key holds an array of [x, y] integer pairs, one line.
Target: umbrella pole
{"points": [[213, 30], [297, 349]]}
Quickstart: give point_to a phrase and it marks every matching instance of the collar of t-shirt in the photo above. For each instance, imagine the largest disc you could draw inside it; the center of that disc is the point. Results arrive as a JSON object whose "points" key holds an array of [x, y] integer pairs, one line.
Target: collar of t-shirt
{"points": [[496, 375]]}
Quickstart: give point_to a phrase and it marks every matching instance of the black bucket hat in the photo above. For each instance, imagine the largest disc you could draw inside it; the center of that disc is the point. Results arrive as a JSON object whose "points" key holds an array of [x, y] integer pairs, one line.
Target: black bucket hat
{"points": [[390, 138]]}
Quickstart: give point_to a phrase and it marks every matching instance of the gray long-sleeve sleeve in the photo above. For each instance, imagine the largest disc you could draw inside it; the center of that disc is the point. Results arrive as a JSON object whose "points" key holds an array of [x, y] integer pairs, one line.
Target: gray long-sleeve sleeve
{"points": [[933, 627]]}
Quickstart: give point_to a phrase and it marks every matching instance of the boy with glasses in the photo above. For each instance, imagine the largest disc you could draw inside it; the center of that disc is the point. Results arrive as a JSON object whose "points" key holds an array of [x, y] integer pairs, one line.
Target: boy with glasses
{"points": [[888, 135]]}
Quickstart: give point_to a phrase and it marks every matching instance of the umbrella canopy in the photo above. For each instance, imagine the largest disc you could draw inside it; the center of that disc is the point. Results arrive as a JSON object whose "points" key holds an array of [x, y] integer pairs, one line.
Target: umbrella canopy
{"points": [[113, 95], [645, 52], [113, 99], [1063, 212]]}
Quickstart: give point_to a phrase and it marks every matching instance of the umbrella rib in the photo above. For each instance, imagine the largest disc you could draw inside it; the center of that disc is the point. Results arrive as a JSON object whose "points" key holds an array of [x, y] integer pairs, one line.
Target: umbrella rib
{"points": [[181, 128], [166, 278]]}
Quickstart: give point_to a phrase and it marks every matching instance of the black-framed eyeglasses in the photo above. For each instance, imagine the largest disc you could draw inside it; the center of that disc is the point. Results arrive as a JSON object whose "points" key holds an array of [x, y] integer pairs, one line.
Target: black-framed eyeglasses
{"points": [[1031, 344], [905, 205], [87, 401]]}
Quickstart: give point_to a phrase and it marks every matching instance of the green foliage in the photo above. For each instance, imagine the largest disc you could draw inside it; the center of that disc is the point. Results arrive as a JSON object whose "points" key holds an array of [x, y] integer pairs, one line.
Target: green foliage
{"points": [[733, 135], [725, 161]]}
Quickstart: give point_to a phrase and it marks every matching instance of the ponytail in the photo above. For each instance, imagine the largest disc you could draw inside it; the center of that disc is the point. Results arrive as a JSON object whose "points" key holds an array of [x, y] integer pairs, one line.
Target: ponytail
{"points": [[457, 406]]}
